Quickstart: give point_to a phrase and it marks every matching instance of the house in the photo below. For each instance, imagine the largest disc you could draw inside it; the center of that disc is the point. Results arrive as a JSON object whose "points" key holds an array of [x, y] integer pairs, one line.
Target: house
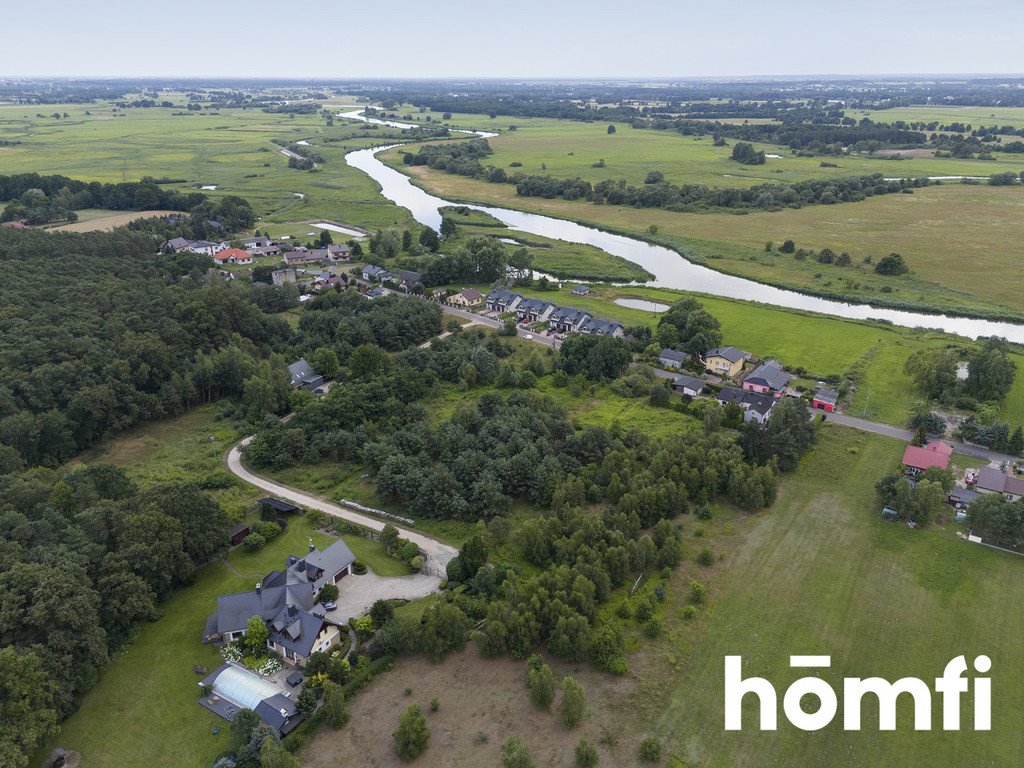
{"points": [[291, 258], [730, 395], [567, 319], [206, 248], [237, 533], [580, 290], [725, 361], [767, 378], [993, 480], [502, 301], [303, 376], [757, 407], [376, 292], [534, 310], [256, 242], [338, 252], [687, 386], [598, 326], [373, 273], [670, 358], [825, 400], [233, 256], [287, 601], [467, 297], [408, 278], [176, 245], [282, 276], [266, 250], [935, 454], [230, 688]]}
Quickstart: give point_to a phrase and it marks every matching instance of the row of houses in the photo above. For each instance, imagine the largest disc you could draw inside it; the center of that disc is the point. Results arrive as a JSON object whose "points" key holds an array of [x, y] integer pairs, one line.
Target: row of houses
{"points": [[255, 247], [560, 319], [404, 277]]}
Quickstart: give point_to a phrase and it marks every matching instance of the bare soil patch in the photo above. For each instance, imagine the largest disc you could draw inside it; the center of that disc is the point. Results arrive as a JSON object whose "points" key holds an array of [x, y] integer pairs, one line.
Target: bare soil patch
{"points": [[483, 703], [107, 223]]}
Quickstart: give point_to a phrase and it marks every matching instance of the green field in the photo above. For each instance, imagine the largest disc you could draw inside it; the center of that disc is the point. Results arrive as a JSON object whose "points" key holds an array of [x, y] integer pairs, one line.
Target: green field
{"points": [[975, 116], [570, 149], [954, 237], [819, 573], [231, 149]]}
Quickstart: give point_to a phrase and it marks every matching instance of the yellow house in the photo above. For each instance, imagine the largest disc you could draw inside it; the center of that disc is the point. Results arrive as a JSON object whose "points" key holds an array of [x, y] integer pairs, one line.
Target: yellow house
{"points": [[466, 298], [725, 361]]}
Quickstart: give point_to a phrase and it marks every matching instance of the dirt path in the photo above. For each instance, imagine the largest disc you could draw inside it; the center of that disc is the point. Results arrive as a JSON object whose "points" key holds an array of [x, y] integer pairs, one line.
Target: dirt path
{"points": [[437, 553]]}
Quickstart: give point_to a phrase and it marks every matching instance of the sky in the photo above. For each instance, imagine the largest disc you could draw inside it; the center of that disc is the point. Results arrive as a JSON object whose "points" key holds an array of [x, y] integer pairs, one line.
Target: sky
{"points": [[516, 38]]}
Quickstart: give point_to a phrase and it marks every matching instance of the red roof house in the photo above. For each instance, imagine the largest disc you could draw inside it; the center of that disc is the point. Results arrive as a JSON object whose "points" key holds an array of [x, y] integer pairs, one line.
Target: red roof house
{"points": [[934, 454], [233, 256]]}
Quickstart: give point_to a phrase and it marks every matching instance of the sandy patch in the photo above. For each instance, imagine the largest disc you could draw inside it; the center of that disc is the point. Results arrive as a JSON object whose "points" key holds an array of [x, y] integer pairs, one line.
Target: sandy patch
{"points": [[107, 223]]}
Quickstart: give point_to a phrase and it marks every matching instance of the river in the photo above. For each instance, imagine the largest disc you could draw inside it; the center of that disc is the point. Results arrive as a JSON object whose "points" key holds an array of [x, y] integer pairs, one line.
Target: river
{"points": [[670, 270]]}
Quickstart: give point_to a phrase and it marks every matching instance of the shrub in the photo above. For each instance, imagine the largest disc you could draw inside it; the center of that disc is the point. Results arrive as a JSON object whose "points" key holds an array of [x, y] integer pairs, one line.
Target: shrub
{"points": [[515, 754], [358, 568], [586, 754], [574, 702], [541, 682], [698, 594], [652, 628], [328, 593], [689, 612], [435, 704], [412, 735], [253, 542], [416, 563], [706, 557], [650, 750]]}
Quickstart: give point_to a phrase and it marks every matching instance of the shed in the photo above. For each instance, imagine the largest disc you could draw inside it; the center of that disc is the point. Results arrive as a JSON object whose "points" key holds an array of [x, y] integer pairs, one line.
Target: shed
{"points": [[238, 533], [269, 503]]}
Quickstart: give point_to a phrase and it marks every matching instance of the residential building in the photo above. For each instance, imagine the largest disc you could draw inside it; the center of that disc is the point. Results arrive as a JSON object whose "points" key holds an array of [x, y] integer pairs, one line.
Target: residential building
{"points": [[670, 358], [408, 278], [206, 248], [467, 297], [757, 407], [373, 273], [176, 244], [768, 378], [993, 480], [230, 688], [730, 395], [233, 256], [339, 252], [825, 400], [303, 376], [934, 454], [282, 276], [376, 292], [567, 319], [291, 258], [725, 361], [266, 250], [503, 301], [688, 386], [534, 310], [599, 326], [256, 242]]}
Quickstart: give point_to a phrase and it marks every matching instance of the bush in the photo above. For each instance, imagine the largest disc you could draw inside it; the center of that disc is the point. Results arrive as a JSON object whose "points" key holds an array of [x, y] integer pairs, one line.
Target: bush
{"points": [[586, 754], [706, 557], [328, 593], [435, 704], [541, 683], [358, 568], [416, 564], [574, 702], [698, 594], [650, 750], [253, 542], [412, 735], [515, 754], [689, 612]]}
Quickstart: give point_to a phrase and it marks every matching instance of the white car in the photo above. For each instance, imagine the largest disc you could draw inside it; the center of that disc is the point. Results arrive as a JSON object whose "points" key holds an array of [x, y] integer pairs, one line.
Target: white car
{"points": [[528, 337]]}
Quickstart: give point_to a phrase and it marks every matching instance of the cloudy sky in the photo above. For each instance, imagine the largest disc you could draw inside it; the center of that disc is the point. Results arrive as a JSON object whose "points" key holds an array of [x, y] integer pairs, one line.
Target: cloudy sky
{"points": [[515, 38]]}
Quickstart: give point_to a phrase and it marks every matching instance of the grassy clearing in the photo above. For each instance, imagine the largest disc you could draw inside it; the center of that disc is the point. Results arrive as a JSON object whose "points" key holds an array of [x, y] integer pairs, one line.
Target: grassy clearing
{"points": [[976, 116], [954, 237]]}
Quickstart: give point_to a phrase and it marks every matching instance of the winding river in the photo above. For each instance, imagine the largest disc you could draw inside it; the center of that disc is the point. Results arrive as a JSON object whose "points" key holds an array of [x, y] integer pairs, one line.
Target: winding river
{"points": [[670, 270]]}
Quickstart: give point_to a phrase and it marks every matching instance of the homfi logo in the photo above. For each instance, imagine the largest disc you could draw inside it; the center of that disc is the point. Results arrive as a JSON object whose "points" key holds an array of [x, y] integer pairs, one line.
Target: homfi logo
{"points": [[950, 687]]}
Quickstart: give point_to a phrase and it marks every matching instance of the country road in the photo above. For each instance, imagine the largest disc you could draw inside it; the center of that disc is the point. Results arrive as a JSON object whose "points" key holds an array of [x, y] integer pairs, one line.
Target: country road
{"points": [[437, 553]]}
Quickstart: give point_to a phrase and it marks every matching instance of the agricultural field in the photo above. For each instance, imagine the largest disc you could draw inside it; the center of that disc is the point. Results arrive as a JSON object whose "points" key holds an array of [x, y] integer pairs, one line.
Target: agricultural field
{"points": [[230, 150], [975, 116], [954, 237], [816, 573]]}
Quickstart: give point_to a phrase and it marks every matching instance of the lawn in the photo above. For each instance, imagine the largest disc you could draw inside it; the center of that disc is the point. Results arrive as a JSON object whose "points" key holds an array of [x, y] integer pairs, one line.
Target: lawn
{"points": [[954, 237]]}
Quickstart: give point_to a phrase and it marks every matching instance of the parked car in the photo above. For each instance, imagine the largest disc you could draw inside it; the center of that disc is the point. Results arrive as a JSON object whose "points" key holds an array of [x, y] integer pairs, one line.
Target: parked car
{"points": [[330, 605]]}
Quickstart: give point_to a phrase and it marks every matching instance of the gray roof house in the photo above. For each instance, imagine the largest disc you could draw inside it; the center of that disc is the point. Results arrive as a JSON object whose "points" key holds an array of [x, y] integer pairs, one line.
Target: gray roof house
{"points": [[993, 480], [178, 244], [535, 310], [408, 278], [757, 407], [599, 326], [671, 358], [503, 301], [287, 601], [580, 290], [567, 319], [767, 377], [256, 242], [372, 272], [730, 395], [302, 375], [688, 386]]}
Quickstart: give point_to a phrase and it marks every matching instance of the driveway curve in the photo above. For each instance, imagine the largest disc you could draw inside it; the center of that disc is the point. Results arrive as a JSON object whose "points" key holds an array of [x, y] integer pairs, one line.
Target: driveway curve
{"points": [[437, 554]]}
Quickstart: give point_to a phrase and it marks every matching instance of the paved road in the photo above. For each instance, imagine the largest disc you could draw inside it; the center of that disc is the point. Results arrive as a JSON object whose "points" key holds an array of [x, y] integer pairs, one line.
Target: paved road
{"points": [[437, 553]]}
